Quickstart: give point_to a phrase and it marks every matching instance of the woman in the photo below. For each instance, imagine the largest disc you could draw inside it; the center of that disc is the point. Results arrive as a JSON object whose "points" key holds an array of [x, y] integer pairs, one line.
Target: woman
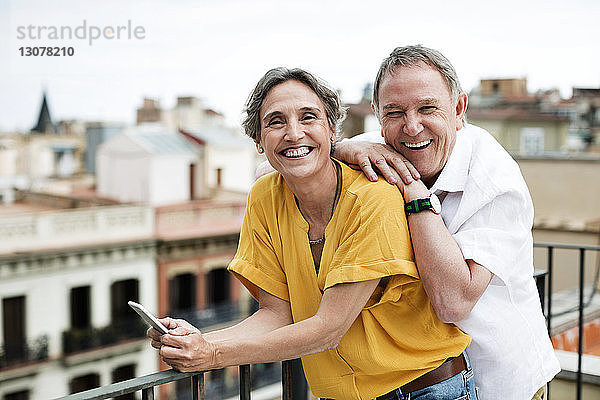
{"points": [[327, 255]]}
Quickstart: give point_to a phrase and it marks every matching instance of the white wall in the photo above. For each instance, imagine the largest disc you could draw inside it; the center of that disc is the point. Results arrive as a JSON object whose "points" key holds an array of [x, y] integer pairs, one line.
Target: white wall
{"points": [[169, 179], [8, 162], [122, 170], [238, 167]]}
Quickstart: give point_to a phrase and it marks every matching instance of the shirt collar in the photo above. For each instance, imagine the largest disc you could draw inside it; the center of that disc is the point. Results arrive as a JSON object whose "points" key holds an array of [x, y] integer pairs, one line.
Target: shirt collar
{"points": [[454, 174]]}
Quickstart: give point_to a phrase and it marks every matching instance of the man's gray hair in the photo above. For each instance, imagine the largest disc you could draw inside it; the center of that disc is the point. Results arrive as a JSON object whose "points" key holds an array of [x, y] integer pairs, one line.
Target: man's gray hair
{"points": [[408, 56], [330, 98]]}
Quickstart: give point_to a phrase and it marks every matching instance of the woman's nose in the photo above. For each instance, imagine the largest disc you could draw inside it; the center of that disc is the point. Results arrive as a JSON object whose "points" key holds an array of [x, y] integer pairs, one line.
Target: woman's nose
{"points": [[294, 131]]}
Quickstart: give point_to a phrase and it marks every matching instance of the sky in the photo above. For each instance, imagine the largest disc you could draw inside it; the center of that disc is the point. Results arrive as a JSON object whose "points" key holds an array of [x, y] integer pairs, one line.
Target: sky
{"points": [[217, 50]]}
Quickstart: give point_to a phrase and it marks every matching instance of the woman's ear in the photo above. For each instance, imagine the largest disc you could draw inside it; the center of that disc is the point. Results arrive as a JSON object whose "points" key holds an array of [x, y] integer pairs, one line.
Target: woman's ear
{"points": [[259, 148]]}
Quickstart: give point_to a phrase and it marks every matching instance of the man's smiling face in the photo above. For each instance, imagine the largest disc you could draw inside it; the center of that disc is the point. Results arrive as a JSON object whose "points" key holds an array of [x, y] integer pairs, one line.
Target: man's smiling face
{"points": [[419, 117]]}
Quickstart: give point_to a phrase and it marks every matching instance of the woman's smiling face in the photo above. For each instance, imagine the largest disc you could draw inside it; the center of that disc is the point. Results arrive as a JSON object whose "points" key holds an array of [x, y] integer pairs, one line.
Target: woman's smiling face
{"points": [[294, 130]]}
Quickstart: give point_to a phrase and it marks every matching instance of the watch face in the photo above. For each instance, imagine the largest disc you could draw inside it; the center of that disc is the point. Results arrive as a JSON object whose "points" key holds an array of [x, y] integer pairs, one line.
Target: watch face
{"points": [[436, 206]]}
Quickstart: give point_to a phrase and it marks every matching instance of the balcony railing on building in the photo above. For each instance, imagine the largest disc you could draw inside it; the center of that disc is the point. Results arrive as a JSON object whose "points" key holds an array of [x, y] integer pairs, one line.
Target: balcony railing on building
{"points": [[76, 339], [12, 354]]}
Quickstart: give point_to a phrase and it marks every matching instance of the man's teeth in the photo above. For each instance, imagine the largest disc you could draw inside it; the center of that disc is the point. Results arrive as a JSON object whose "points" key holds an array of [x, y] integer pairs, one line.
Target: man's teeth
{"points": [[418, 145], [299, 152]]}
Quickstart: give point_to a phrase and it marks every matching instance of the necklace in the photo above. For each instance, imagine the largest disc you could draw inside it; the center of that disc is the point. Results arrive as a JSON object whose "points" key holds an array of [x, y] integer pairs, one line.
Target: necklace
{"points": [[338, 188], [318, 241]]}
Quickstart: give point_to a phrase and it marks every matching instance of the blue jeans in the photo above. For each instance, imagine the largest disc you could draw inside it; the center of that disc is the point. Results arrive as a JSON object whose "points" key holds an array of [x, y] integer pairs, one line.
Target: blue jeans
{"points": [[459, 387]]}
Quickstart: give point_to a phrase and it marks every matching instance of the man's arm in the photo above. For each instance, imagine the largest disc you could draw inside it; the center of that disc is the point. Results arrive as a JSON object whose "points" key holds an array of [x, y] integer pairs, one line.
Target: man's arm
{"points": [[452, 283]]}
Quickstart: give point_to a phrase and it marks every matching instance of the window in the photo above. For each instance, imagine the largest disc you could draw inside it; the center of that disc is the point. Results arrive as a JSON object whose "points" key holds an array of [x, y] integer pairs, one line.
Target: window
{"points": [[84, 382], [21, 395], [182, 292], [532, 141], [13, 322], [495, 87], [219, 177], [80, 307], [121, 292], [121, 374], [217, 286], [192, 181]]}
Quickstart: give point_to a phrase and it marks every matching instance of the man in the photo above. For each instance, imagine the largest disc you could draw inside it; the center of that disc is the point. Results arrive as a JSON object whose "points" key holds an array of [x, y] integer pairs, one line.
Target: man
{"points": [[475, 256]]}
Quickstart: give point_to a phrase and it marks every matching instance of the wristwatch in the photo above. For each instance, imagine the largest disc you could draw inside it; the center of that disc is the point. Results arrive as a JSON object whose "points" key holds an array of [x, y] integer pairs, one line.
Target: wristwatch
{"points": [[429, 203]]}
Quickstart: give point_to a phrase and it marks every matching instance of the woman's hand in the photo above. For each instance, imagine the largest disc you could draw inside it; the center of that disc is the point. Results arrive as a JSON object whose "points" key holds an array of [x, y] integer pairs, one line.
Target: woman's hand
{"points": [[155, 335], [183, 348]]}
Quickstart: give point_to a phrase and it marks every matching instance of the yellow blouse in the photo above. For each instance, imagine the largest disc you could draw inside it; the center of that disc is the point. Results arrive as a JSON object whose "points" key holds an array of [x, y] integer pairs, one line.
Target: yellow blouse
{"points": [[397, 337]]}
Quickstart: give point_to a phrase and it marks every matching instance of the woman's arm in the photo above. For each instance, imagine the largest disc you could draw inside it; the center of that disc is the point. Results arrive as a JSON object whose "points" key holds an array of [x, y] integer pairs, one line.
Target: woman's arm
{"points": [[272, 313], [187, 350]]}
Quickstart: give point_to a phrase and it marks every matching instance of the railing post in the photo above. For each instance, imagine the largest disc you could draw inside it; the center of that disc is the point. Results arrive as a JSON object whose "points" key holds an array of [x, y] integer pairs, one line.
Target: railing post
{"points": [[198, 387], [148, 393], [580, 347], [294, 383], [245, 384], [550, 269], [286, 379], [540, 282]]}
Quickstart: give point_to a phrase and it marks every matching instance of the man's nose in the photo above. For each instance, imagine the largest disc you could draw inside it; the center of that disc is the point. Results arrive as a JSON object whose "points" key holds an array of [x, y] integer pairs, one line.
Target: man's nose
{"points": [[412, 125]]}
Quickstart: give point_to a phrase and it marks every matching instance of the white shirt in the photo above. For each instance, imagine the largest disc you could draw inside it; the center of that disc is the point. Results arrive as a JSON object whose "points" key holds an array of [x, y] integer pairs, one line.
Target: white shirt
{"points": [[487, 208]]}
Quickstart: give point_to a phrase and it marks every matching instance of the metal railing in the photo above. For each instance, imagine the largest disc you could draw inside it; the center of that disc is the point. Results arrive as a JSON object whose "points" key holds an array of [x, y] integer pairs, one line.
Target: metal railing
{"points": [[75, 340], [551, 247], [147, 383], [12, 354]]}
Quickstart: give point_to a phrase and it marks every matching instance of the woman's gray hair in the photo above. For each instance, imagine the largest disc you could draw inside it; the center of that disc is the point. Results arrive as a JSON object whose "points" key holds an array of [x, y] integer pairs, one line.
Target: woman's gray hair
{"points": [[408, 56], [333, 107]]}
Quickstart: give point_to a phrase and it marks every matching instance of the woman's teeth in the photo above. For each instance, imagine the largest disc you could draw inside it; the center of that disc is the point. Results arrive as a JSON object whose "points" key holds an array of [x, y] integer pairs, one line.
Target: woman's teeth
{"points": [[419, 145], [298, 152]]}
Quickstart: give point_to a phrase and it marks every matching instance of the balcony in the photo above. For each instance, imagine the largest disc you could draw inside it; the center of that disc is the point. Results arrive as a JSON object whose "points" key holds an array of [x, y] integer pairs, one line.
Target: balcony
{"points": [[577, 307], [572, 314], [68, 228], [77, 340], [23, 353]]}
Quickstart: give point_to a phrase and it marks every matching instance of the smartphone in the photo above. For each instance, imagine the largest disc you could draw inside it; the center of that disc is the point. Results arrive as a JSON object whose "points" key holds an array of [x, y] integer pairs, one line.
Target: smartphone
{"points": [[148, 317]]}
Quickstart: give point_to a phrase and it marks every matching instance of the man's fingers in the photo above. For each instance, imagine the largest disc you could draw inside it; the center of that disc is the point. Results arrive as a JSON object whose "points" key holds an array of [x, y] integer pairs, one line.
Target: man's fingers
{"points": [[413, 171], [388, 173], [365, 165], [405, 170]]}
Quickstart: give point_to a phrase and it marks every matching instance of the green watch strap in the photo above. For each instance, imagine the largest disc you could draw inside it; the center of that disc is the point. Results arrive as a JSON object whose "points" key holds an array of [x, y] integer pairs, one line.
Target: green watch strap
{"points": [[417, 205]]}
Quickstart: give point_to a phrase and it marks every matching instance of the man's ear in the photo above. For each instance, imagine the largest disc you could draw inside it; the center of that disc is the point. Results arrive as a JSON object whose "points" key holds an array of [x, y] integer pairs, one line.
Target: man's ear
{"points": [[461, 108], [377, 116]]}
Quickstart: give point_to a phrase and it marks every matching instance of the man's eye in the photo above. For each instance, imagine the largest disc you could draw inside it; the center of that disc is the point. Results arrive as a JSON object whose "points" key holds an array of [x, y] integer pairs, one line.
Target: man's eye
{"points": [[394, 114], [428, 109]]}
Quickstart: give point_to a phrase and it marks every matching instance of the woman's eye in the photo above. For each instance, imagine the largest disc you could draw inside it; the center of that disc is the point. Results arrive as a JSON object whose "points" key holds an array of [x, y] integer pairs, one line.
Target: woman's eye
{"points": [[308, 117], [275, 122]]}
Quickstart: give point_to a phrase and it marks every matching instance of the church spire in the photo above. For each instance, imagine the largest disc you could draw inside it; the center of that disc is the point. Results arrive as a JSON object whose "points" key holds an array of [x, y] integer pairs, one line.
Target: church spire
{"points": [[44, 124]]}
